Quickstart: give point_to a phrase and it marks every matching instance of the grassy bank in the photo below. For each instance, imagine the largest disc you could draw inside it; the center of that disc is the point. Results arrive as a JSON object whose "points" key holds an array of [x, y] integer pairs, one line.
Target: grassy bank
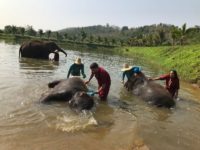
{"points": [[185, 59]]}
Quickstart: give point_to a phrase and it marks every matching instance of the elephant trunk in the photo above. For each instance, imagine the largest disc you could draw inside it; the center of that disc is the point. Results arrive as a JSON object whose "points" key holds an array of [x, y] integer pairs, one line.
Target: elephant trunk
{"points": [[61, 50], [20, 51]]}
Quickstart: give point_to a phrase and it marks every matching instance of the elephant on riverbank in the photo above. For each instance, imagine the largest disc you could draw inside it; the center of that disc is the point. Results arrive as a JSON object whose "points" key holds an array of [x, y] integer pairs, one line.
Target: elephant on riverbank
{"points": [[72, 90], [40, 50], [149, 91]]}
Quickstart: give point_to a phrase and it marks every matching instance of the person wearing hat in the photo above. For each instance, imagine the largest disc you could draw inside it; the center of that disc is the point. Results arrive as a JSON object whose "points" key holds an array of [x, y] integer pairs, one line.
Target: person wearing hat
{"points": [[77, 68], [129, 71], [171, 82]]}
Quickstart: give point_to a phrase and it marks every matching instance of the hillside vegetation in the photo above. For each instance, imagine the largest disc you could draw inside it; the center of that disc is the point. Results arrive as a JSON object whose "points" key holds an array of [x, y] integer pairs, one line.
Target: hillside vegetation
{"points": [[149, 35], [185, 59]]}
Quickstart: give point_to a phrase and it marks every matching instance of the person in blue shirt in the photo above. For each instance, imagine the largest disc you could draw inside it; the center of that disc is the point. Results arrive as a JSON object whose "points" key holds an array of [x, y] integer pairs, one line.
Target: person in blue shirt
{"points": [[76, 69], [129, 71]]}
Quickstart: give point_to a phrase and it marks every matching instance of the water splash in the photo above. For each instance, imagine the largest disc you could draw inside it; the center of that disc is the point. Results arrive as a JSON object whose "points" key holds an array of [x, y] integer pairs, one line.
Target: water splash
{"points": [[73, 123]]}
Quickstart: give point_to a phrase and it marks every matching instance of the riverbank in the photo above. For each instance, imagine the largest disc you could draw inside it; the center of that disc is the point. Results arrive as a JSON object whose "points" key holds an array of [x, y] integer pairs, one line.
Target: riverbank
{"points": [[185, 59]]}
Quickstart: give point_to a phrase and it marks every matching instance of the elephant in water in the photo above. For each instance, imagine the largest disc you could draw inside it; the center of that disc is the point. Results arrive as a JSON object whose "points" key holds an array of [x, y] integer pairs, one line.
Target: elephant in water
{"points": [[40, 50], [72, 90], [149, 91]]}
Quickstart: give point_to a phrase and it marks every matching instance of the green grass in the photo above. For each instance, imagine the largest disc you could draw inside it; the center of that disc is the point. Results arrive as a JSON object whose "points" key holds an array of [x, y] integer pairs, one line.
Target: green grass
{"points": [[185, 59]]}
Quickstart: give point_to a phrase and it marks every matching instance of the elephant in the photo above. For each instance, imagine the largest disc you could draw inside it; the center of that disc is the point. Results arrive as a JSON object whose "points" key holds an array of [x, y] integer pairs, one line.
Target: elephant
{"points": [[72, 90], [149, 91], [40, 50]]}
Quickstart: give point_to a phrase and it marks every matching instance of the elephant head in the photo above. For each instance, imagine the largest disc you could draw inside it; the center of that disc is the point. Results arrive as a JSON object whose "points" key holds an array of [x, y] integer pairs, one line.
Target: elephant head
{"points": [[135, 82], [52, 47], [81, 101], [71, 90]]}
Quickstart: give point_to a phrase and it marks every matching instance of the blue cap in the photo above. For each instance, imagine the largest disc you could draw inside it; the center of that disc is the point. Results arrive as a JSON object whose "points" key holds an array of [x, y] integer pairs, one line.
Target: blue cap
{"points": [[136, 69]]}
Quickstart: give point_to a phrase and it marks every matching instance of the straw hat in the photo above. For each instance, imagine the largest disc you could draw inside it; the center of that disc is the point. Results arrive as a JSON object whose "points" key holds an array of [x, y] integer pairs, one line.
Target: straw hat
{"points": [[126, 67], [78, 60]]}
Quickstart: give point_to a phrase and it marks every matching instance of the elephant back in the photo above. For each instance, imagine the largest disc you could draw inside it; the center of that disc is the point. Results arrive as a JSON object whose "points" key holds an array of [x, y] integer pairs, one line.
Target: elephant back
{"points": [[71, 85]]}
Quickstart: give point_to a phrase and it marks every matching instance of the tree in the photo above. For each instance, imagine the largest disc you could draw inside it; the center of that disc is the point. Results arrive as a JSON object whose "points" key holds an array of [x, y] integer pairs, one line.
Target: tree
{"points": [[183, 32], [40, 32], [8, 29], [176, 34], [106, 41], [21, 30], [99, 39], [30, 31], [58, 36], [66, 36], [113, 41], [162, 36], [48, 33], [124, 28], [14, 29], [91, 38], [83, 35]]}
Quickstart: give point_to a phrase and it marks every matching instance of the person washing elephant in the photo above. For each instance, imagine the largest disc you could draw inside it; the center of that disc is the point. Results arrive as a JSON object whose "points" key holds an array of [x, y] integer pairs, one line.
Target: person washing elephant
{"points": [[171, 82], [103, 79], [76, 69], [129, 71]]}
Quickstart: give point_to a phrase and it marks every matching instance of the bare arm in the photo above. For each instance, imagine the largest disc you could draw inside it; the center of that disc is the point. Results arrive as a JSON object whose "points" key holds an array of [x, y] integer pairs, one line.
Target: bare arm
{"points": [[91, 76]]}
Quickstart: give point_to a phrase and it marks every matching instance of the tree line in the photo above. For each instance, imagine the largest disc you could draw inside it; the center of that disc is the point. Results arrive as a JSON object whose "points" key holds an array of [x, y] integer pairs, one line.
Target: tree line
{"points": [[31, 32], [149, 35]]}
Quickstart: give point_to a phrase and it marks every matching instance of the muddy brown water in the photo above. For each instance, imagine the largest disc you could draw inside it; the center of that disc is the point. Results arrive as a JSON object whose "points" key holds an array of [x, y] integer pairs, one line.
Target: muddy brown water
{"points": [[122, 123]]}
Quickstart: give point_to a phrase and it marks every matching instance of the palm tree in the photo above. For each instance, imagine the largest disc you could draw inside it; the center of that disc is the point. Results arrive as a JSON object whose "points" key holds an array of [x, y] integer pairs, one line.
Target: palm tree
{"points": [[183, 33], [176, 34]]}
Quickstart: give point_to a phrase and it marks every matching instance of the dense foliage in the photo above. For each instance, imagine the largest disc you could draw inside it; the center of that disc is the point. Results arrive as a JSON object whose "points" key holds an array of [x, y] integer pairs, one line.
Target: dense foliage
{"points": [[152, 35]]}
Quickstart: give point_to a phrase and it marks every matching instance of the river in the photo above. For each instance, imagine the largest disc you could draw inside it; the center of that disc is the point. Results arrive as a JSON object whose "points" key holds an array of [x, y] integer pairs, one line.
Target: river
{"points": [[122, 123]]}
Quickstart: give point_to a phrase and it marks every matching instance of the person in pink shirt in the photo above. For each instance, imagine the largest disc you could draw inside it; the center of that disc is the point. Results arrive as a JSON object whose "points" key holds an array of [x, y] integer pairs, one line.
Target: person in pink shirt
{"points": [[103, 79]]}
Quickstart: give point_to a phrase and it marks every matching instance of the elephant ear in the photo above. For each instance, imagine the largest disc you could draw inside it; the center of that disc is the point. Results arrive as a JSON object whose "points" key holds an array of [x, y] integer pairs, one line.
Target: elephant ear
{"points": [[54, 83]]}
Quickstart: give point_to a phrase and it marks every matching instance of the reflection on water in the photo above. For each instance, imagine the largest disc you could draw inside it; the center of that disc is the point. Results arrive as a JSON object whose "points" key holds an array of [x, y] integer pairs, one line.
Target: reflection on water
{"points": [[124, 122], [34, 64]]}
